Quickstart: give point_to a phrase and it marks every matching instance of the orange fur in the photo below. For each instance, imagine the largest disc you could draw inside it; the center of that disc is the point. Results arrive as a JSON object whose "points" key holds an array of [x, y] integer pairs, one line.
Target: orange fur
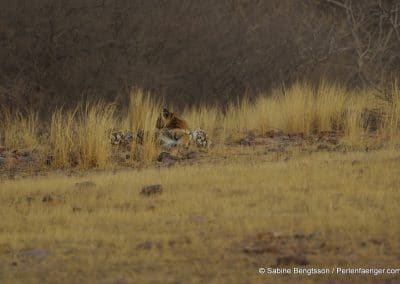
{"points": [[169, 120], [169, 125]]}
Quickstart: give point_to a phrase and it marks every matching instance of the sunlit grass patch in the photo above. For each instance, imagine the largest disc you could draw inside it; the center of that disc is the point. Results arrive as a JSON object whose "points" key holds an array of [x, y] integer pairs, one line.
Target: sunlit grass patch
{"points": [[80, 136]]}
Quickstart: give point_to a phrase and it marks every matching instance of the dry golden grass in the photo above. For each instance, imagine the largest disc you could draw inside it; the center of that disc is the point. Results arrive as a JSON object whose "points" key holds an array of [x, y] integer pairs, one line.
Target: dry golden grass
{"points": [[18, 130], [197, 230], [81, 136], [303, 109], [221, 216], [391, 123], [208, 118], [62, 137], [142, 116]]}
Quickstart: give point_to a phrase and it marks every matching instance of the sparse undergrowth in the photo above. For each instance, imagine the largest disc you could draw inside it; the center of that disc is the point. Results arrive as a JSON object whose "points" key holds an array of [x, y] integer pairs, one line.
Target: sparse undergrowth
{"points": [[304, 178], [218, 221], [80, 137]]}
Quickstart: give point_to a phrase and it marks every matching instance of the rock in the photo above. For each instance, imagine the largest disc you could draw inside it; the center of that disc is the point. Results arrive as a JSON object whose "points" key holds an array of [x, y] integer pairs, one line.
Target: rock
{"points": [[291, 260], [191, 155], [151, 190], [164, 155], [26, 159], [167, 159], [85, 185], [184, 240], [274, 133], [150, 208], [257, 248], [76, 209], [323, 147], [297, 135], [25, 153], [263, 141], [147, 245], [2, 161], [198, 219], [37, 253], [53, 198], [248, 139]]}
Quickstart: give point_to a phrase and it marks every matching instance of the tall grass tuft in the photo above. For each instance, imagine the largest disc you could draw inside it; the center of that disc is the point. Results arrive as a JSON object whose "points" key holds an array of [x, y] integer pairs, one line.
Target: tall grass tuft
{"points": [[81, 136], [62, 137], [331, 102], [209, 118], [142, 117], [18, 130], [94, 124], [391, 123]]}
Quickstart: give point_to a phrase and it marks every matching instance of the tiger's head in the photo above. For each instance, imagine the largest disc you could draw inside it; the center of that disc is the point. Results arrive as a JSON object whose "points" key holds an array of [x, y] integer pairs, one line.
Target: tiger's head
{"points": [[169, 120], [164, 118]]}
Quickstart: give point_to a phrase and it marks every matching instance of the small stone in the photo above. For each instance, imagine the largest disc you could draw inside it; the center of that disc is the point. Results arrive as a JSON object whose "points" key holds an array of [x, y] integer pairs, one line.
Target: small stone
{"points": [[26, 159], [167, 159], [198, 219], [147, 245], [323, 147], [256, 248], [38, 253], [76, 209], [151, 190], [53, 198], [291, 259], [2, 161], [85, 185], [166, 155], [191, 155]]}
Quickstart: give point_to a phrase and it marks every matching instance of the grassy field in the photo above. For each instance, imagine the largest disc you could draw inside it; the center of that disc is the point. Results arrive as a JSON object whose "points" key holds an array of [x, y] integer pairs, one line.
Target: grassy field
{"points": [[302, 177], [80, 137], [217, 221]]}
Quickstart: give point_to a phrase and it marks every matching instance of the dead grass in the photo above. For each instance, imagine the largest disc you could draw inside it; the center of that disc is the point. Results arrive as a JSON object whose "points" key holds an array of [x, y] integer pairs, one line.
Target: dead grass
{"points": [[303, 109], [220, 217], [142, 116], [18, 130], [391, 123], [204, 226], [81, 136]]}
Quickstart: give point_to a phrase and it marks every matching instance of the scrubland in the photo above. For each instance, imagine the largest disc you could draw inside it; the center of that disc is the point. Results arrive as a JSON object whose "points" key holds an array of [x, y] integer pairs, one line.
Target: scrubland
{"points": [[80, 137], [301, 177]]}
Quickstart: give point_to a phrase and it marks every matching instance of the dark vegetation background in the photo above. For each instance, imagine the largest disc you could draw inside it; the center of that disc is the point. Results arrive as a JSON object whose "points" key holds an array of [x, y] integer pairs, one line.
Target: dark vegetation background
{"points": [[57, 52]]}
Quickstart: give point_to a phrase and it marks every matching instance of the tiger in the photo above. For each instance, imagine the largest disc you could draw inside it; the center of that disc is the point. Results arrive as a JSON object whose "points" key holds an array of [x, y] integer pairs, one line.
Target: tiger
{"points": [[172, 130]]}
